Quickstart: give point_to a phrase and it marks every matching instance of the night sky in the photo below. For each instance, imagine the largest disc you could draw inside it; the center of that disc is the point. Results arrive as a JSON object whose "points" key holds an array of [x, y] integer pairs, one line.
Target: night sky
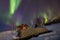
{"points": [[28, 10]]}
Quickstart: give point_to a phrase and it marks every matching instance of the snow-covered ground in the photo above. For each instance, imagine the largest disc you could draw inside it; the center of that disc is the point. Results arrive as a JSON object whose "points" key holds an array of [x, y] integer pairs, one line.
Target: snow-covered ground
{"points": [[55, 35], [8, 35]]}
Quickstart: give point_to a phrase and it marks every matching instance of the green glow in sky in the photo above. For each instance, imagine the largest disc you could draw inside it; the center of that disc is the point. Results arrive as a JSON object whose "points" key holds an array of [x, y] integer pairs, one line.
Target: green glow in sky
{"points": [[17, 23], [43, 14], [14, 5], [46, 17]]}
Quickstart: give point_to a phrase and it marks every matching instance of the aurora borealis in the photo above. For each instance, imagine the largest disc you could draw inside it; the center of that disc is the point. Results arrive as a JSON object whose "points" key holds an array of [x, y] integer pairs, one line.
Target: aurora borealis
{"points": [[16, 12], [24, 11], [13, 7]]}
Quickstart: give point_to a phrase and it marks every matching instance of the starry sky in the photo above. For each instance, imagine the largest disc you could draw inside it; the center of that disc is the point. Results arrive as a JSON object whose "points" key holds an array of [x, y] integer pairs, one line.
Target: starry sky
{"points": [[24, 11]]}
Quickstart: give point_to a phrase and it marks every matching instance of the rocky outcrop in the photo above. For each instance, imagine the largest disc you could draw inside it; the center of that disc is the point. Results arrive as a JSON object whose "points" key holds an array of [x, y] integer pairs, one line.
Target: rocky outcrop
{"points": [[32, 32]]}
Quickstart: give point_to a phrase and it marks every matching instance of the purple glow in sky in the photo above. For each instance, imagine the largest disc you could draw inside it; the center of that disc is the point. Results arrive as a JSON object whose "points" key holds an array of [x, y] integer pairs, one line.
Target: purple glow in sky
{"points": [[28, 8]]}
